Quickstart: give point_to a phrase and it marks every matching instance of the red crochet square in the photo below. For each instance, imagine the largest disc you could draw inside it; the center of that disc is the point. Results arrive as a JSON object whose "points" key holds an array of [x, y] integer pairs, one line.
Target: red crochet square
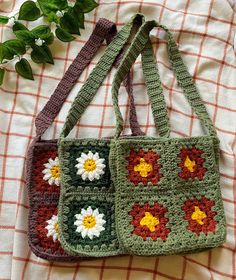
{"points": [[150, 221], [143, 167], [199, 215], [42, 157], [191, 164], [44, 215]]}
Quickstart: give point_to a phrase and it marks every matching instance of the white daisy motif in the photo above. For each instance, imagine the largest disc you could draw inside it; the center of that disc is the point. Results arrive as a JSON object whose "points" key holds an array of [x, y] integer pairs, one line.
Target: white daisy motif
{"points": [[53, 228], [89, 222], [52, 172], [90, 166]]}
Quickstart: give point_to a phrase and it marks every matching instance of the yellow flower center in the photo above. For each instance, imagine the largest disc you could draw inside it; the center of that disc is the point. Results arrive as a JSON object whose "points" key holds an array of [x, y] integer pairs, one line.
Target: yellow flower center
{"points": [[149, 221], [55, 170], [89, 221], [198, 215], [56, 227], [143, 168], [188, 163], [90, 165]]}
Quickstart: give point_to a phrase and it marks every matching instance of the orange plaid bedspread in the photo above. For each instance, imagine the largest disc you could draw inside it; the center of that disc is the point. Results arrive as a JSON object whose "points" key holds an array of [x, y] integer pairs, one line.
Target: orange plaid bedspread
{"points": [[205, 31]]}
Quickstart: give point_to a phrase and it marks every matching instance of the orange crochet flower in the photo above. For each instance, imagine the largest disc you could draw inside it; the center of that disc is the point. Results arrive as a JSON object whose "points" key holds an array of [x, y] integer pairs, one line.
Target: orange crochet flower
{"points": [[191, 164], [149, 221], [143, 167], [199, 215]]}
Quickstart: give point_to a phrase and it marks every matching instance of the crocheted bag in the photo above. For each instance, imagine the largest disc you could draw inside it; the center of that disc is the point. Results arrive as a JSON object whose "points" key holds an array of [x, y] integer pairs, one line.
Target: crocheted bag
{"points": [[42, 166], [167, 192], [86, 206]]}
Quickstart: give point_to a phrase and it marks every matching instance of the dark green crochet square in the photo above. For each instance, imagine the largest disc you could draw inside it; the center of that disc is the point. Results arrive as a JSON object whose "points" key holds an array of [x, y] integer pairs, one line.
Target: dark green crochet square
{"points": [[75, 153], [77, 204]]}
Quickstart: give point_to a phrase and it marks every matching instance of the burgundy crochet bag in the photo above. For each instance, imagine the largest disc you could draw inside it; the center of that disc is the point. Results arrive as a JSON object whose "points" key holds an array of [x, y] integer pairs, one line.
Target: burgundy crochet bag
{"points": [[42, 165]]}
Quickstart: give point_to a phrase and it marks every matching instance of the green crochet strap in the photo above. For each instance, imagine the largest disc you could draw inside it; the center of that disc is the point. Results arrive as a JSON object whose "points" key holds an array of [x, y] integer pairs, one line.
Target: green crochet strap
{"points": [[155, 91], [89, 89], [184, 79]]}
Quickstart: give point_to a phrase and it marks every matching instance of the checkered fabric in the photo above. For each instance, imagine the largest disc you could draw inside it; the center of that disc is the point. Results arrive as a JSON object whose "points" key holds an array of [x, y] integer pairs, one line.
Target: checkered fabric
{"points": [[205, 31]]}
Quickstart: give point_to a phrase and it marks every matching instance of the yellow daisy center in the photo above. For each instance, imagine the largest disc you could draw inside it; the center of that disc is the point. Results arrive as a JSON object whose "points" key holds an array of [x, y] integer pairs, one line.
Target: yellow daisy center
{"points": [[55, 170], [198, 215], [143, 168], [90, 165], [56, 227], [149, 221], [89, 221], [188, 163]]}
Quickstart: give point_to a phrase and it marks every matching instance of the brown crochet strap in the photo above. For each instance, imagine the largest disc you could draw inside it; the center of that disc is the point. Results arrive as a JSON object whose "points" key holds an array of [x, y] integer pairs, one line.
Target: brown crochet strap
{"points": [[104, 29]]}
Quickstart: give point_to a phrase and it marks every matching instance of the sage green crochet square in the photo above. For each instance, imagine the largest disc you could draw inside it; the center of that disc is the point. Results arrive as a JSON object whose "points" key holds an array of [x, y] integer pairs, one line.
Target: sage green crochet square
{"points": [[177, 237], [88, 224], [169, 161], [177, 214]]}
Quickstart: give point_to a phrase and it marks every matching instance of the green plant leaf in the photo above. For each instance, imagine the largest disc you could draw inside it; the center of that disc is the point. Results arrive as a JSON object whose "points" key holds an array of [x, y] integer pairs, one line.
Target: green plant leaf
{"points": [[24, 69], [76, 13], [42, 54], [5, 53], [2, 72], [18, 26], [29, 11], [63, 35], [26, 36], [70, 23], [40, 30], [16, 46], [48, 6], [3, 19], [44, 32], [86, 6]]}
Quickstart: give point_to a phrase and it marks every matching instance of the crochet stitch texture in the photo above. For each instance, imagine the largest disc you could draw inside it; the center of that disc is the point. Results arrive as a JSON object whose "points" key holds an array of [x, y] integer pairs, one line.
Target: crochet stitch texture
{"points": [[85, 172], [42, 167], [182, 211]]}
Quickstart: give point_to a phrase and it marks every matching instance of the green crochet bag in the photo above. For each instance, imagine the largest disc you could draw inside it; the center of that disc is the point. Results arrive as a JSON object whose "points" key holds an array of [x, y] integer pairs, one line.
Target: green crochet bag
{"points": [[167, 192], [86, 206]]}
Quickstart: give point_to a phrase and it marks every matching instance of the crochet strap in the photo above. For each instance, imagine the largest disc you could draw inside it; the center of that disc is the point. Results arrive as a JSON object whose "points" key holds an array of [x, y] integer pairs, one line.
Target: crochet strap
{"points": [[89, 89], [184, 79], [104, 29]]}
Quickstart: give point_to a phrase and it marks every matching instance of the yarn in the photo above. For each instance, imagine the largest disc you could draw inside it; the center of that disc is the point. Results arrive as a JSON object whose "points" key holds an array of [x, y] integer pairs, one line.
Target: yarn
{"points": [[182, 211]]}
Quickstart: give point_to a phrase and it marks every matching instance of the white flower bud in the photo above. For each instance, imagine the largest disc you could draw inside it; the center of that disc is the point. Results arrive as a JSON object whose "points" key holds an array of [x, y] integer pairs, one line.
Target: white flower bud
{"points": [[11, 22], [60, 14], [39, 42]]}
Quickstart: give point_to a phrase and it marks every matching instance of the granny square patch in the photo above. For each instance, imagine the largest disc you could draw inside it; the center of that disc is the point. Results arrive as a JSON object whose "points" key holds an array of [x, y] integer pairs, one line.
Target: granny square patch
{"points": [[173, 215], [87, 163], [45, 169], [89, 224], [143, 167], [44, 230]]}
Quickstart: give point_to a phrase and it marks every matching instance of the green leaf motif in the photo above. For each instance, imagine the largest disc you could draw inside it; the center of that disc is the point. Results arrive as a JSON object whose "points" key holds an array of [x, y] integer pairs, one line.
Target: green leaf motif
{"points": [[18, 26], [63, 35], [48, 6], [2, 72], [16, 46], [70, 23], [26, 36], [24, 69], [86, 6], [42, 54], [29, 11], [3, 19], [44, 32]]}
